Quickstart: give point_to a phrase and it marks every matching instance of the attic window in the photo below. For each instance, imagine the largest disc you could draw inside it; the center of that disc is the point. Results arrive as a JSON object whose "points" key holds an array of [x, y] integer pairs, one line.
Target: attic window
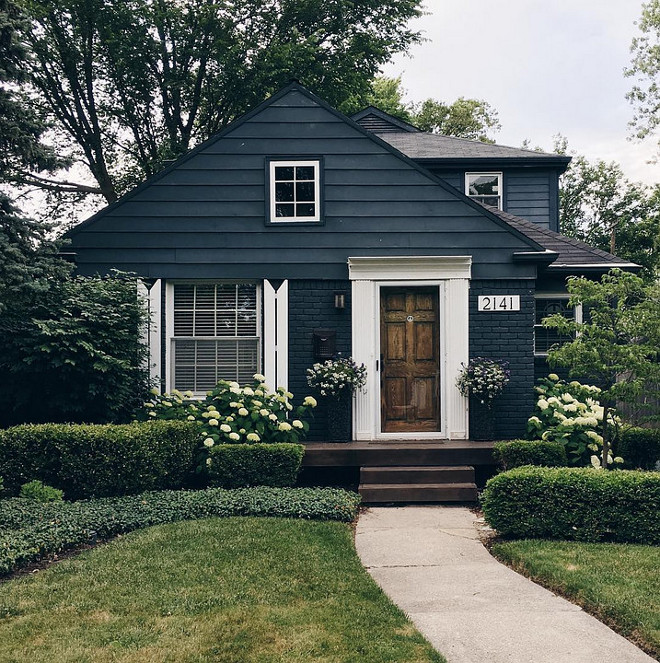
{"points": [[485, 188], [295, 192]]}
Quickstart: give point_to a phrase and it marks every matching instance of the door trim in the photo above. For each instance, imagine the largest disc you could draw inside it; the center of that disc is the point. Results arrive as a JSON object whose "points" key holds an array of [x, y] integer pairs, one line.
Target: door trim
{"points": [[451, 274]]}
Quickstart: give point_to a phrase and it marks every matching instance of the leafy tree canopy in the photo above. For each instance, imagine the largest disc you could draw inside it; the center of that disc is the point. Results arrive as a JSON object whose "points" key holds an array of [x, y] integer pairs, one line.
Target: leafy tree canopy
{"points": [[464, 118]]}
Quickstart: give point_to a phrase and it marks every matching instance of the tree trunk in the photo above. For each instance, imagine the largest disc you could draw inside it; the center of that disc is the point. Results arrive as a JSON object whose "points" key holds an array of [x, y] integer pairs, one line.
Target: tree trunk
{"points": [[606, 435]]}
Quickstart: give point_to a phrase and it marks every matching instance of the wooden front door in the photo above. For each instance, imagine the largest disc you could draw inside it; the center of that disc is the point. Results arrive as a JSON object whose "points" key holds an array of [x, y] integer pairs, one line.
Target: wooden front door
{"points": [[410, 359]]}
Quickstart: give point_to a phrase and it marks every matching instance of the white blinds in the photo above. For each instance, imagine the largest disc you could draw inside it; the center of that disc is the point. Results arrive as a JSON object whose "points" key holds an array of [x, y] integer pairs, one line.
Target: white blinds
{"points": [[215, 334]]}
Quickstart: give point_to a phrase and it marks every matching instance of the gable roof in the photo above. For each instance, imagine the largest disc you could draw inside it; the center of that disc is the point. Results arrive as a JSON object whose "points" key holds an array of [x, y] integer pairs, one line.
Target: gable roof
{"points": [[572, 253], [380, 122]]}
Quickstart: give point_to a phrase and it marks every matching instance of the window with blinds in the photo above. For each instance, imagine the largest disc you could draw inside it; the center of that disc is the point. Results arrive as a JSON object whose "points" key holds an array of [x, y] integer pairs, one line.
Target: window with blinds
{"points": [[545, 338], [216, 334]]}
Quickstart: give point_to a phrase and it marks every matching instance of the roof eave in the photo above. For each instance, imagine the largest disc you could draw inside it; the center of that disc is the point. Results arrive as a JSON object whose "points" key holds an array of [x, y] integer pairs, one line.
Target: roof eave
{"points": [[559, 163], [595, 267], [540, 257]]}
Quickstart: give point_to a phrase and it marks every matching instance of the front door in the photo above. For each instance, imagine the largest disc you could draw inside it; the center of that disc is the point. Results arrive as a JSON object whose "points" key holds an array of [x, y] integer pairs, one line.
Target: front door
{"points": [[410, 359]]}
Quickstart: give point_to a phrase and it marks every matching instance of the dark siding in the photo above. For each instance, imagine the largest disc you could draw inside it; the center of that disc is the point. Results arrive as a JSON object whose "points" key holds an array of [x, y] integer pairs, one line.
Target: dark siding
{"points": [[528, 194], [507, 336], [205, 218], [311, 306]]}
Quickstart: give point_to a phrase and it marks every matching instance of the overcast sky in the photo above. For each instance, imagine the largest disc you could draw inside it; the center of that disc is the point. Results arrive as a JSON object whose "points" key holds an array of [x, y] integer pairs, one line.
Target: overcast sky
{"points": [[546, 66]]}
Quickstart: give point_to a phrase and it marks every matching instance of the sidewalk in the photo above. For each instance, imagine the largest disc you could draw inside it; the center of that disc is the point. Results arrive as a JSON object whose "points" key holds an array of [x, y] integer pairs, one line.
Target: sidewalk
{"points": [[471, 608]]}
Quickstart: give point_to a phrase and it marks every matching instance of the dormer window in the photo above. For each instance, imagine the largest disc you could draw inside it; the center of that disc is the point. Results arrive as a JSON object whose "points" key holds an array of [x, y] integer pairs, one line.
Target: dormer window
{"points": [[295, 191], [485, 188]]}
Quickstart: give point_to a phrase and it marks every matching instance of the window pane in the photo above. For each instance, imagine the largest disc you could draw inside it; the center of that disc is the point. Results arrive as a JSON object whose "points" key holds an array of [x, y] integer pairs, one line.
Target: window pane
{"points": [[304, 191], [284, 210], [545, 338], [305, 172], [305, 209], [284, 192], [483, 185], [184, 296], [488, 200], [205, 297], [183, 323], [546, 307], [283, 173]]}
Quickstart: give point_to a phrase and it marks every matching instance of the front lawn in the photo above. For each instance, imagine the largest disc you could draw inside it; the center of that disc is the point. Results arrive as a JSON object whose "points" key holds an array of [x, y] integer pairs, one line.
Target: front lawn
{"points": [[233, 590], [619, 583]]}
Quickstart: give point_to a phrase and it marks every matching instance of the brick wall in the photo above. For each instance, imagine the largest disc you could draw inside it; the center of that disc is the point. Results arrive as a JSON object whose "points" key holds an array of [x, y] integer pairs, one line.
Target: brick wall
{"points": [[311, 306], [508, 336]]}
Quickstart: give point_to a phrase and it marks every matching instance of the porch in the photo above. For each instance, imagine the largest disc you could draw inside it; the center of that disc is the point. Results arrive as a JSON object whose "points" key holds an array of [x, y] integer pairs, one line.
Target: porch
{"points": [[403, 471]]}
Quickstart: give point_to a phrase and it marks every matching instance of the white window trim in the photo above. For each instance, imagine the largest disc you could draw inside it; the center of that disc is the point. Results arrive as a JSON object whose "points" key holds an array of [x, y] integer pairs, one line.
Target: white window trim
{"points": [[169, 323], [317, 191], [577, 312], [500, 184]]}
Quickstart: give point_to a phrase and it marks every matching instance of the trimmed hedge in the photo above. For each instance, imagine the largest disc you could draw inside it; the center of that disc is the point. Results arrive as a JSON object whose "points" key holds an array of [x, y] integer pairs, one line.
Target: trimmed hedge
{"points": [[91, 460], [32, 531], [243, 465], [639, 447], [515, 453], [575, 503]]}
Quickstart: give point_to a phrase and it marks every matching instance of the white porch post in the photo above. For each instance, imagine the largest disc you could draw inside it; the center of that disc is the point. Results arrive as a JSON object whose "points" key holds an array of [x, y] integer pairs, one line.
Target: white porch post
{"points": [[364, 352], [457, 333], [276, 334]]}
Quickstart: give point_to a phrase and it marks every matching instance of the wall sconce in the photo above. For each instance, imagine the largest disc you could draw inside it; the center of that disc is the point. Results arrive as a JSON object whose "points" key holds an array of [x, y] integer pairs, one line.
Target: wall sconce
{"points": [[340, 300]]}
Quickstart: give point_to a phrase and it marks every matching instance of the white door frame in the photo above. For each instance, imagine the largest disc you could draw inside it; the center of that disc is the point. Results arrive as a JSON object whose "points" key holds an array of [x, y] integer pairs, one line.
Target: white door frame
{"points": [[451, 274]]}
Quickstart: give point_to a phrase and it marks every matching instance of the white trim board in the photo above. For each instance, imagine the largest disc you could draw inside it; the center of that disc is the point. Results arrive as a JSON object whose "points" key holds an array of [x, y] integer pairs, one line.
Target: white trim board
{"points": [[276, 334], [404, 268]]}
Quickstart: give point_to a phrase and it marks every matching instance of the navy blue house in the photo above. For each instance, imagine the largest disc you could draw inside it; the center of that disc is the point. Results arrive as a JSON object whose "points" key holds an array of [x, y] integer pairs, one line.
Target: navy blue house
{"points": [[298, 232]]}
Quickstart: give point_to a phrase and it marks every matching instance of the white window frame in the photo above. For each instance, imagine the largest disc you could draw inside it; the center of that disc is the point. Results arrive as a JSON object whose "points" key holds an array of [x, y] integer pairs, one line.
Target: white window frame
{"points": [[577, 312], [500, 185], [316, 164], [169, 324]]}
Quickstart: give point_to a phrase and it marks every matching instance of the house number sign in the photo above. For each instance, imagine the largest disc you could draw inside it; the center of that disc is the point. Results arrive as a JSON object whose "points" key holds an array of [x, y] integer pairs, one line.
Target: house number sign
{"points": [[495, 303]]}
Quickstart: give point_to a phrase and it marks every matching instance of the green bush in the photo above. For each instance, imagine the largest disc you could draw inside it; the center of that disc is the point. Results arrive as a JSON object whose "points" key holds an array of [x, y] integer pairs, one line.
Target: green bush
{"points": [[575, 503], [37, 490], [90, 460], [640, 447], [242, 465], [515, 453], [30, 532]]}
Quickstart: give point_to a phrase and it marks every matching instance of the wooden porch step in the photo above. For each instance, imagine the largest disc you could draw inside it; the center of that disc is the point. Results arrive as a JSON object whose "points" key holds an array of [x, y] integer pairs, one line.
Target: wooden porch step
{"points": [[421, 492], [421, 474]]}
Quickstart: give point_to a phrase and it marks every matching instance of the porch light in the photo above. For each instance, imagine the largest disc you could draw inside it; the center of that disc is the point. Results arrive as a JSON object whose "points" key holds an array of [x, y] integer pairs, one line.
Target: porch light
{"points": [[340, 300]]}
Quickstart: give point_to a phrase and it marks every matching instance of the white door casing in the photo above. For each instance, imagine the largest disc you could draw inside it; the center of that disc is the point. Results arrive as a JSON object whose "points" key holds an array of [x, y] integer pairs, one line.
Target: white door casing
{"points": [[452, 276], [276, 335]]}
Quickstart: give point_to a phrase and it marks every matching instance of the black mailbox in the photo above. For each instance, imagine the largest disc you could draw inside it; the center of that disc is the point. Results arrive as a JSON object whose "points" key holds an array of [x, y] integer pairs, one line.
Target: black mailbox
{"points": [[325, 343]]}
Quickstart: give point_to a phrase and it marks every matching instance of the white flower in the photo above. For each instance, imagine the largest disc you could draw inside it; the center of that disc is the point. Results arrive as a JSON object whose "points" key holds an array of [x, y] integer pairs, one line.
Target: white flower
{"points": [[284, 426], [242, 431], [296, 423], [542, 403], [234, 436], [554, 377], [259, 377], [263, 412], [208, 462], [229, 418], [213, 422], [310, 401], [235, 390], [154, 391], [243, 412], [190, 417], [567, 398], [272, 417], [253, 437], [234, 404], [288, 406], [208, 442], [595, 461], [188, 394], [225, 428], [152, 413], [534, 420], [167, 404], [248, 392], [234, 385], [618, 460]]}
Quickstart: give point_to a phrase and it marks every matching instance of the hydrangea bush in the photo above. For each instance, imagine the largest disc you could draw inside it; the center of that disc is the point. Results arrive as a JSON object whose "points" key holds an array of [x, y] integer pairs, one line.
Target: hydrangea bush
{"points": [[570, 413], [234, 414], [335, 377], [483, 378]]}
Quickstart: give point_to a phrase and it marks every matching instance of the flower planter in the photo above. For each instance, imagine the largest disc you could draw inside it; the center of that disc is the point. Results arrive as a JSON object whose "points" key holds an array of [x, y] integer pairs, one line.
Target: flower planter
{"points": [[482, 420], [339, 418]]}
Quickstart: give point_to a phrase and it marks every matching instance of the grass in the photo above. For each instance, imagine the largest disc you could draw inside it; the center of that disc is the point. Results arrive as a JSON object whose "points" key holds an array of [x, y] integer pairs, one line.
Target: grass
{"points": [[618, 583], [234, 590]]}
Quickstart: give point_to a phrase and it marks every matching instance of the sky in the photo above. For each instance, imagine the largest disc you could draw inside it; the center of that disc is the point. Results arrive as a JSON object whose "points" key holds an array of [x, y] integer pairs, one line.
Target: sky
{"points": [[546, 66]]}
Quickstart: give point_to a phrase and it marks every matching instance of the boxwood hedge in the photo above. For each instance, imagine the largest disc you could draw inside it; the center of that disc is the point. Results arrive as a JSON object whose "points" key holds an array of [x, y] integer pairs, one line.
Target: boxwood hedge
{"points": [[30, 531], [100, 460], [575, 503], [639, 447], [515, 453], [242, 465]]}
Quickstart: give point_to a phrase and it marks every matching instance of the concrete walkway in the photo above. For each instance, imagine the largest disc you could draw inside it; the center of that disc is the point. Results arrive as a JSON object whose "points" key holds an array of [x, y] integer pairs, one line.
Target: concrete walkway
{"points": [[471, 608]]}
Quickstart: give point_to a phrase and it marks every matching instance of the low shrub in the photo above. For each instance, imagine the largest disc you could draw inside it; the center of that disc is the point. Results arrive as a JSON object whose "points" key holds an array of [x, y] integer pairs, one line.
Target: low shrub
{"points": [[575, 503], [32, 532], [640, 447], [242, 465], [37, 490], [90, 460], [515, 453]]}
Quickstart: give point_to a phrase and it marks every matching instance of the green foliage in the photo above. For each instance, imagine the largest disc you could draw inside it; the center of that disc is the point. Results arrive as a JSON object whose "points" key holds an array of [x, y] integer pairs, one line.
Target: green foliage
{"points": [[100, 460], [640, 447], [233, 414], [37, 490], [75, 353], [569, 413], [516, 453], [244, 465], [575, 503], [645, 71], [29, 532]]}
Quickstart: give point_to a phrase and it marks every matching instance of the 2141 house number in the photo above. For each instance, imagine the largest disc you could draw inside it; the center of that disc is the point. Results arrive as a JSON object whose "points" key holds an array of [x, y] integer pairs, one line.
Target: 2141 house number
{"points": [[494, 303]]}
